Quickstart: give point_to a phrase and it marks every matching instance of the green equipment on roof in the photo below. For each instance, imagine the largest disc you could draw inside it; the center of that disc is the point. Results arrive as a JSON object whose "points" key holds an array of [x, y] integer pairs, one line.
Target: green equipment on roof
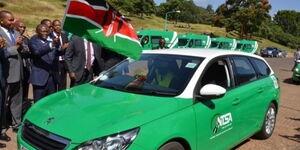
{"points": [[150, 38]]}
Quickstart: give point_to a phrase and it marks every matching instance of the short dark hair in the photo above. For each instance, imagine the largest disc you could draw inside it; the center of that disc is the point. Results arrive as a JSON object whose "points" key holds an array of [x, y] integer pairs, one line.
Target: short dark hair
{"points": [[43, 21], [3, 13], [40, 26], [56, 20]]}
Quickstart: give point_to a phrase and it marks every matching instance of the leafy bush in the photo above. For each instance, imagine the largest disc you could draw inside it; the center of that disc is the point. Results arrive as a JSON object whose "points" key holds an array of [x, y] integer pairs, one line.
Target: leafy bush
{"points": [[2, 4], [276, 34]]}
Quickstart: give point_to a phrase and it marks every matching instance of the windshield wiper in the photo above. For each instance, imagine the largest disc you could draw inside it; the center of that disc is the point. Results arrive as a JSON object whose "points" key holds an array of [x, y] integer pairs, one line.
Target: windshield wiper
{"points": [[111, 87], [154, 93], [139, 91]]}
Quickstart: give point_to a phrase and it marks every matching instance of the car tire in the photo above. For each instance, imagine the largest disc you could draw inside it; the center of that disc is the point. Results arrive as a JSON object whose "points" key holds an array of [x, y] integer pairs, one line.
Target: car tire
{"points": [[268, 124], [172, 146]]}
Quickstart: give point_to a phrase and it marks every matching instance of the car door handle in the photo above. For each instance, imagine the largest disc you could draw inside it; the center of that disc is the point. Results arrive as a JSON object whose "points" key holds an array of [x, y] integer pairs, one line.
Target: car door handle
{"points": [[236, 101], [260, 90]]}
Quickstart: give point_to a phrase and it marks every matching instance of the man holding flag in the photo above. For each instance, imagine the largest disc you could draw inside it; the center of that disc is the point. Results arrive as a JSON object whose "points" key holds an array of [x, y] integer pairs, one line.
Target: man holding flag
{"points": [[102, 24]]}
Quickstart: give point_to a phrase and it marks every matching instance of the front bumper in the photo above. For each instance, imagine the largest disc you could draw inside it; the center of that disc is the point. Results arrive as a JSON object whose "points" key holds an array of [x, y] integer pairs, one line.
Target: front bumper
{"points": [[296, 76], [23, 145]]}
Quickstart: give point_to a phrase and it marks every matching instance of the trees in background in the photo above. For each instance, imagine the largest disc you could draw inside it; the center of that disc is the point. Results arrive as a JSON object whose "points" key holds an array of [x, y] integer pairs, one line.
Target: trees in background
{"points": [[137, 7], [247, 17], [244, 16], [189, 11], [284, 29], [289, 21]]}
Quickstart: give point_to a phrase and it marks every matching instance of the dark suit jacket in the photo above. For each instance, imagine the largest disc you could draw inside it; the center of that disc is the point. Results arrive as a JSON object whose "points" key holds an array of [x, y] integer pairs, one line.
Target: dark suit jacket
{"points": [[64, 37], [75, 56], [111, 58], [3, 70], [44, 61]]}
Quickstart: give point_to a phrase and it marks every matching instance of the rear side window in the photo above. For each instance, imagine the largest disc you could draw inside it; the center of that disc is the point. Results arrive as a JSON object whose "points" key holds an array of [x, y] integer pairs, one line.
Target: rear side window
{"points": [[155, 39], [198, 43], [244, 71], [261, 67]]}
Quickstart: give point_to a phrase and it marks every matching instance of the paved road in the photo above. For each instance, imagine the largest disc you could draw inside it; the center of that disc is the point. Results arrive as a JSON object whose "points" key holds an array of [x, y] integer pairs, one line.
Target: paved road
{"points": [[286, 135]]}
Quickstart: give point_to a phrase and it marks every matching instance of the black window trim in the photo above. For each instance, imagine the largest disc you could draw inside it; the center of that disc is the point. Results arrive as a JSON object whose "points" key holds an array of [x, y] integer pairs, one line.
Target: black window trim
{"points": [[256, 68], [234, 70], [198, 85]]}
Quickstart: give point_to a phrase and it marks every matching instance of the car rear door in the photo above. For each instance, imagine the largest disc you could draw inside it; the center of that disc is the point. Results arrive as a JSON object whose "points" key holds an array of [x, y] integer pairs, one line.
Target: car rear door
{"points": [[249, 91]]}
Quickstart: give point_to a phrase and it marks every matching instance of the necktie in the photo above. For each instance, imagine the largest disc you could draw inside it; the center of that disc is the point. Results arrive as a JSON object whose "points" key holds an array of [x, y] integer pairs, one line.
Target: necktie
{"points": [[12, 38], [61, 58], [89, 57]]}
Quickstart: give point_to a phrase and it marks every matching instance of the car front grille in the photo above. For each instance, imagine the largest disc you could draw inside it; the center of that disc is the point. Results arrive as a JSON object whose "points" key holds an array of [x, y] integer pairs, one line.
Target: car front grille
{"points": [[41, 139]]}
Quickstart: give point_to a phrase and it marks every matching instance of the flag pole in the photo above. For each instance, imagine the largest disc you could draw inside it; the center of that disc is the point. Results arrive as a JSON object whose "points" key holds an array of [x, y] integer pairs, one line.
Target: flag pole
{"points": [[67, 8]]}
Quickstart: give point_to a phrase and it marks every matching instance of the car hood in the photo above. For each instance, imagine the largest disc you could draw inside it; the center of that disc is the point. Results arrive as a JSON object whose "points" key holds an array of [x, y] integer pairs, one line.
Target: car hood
{"points": [[87, 112]]}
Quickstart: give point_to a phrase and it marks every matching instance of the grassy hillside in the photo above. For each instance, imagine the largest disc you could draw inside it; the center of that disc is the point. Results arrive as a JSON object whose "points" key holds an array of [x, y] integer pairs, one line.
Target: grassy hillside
{"points": [[32, 11]]}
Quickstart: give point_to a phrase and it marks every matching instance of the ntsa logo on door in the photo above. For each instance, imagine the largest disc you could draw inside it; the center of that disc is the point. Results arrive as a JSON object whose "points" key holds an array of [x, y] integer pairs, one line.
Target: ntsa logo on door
{"points": [[224, 120], [222, 125]]}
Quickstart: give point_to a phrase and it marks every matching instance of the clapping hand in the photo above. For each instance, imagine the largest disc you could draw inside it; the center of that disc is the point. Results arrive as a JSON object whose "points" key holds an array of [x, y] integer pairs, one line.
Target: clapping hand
{"points": [[2, 43], [55, 42], [65, 46], [19, 40]]}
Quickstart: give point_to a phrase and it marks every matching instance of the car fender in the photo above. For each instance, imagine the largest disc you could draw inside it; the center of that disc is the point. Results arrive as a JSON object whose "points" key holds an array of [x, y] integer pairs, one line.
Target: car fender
{"points": [[178, 125]]}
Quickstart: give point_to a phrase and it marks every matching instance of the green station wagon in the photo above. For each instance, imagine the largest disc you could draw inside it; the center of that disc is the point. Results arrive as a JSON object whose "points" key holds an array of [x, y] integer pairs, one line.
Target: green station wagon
{"points": [[167, 100], [296, 73]]}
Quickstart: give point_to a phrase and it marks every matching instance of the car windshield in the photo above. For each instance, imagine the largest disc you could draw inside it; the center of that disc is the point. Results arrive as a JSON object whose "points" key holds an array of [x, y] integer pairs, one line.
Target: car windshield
{"points": [[152, 74]]}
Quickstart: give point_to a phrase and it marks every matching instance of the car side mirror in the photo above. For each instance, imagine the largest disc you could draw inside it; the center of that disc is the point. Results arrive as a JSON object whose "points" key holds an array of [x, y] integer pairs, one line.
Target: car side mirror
{"points": [[212, 91]]}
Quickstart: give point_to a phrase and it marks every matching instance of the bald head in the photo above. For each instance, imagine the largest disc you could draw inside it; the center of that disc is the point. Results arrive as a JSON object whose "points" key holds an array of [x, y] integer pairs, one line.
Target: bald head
{"points": [[20, 26], [3, 13]]}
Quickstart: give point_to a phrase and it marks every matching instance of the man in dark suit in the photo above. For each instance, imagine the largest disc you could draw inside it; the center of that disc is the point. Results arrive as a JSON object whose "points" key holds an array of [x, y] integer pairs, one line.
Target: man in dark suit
{"points": [[110, 58], [48, 23], [14, 91], [44, 74], [64, 42], [2, 79], [80, 57]]}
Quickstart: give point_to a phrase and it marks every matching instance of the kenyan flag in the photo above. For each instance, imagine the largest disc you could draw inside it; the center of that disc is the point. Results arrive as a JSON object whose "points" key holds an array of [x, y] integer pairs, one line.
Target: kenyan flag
{"points": [[97, 21]]}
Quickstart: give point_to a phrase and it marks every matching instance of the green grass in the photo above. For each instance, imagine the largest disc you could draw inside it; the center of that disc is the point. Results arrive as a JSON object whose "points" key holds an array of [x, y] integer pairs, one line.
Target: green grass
{"points": [[32, 11]]}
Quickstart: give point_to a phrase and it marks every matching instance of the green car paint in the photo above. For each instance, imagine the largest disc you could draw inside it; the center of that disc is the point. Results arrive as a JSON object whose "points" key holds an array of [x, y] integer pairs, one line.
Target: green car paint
{"points": [[95, 110], [296, 73], [247, 46], [150, 38], [223, 43], [88, 110], [193, 41]]}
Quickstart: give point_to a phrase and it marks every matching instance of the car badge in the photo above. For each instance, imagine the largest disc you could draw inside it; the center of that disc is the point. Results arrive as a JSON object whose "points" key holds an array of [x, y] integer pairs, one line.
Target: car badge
{"points": [[49, 120]]}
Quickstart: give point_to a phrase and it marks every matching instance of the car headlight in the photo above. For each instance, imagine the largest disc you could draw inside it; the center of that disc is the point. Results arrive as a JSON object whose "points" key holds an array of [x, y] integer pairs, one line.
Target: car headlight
{"points": [[118, 141], [297, 70]]}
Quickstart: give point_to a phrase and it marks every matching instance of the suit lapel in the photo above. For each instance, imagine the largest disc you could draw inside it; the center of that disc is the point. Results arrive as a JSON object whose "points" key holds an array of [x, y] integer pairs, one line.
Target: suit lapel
{"points": [[4, 35]]}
